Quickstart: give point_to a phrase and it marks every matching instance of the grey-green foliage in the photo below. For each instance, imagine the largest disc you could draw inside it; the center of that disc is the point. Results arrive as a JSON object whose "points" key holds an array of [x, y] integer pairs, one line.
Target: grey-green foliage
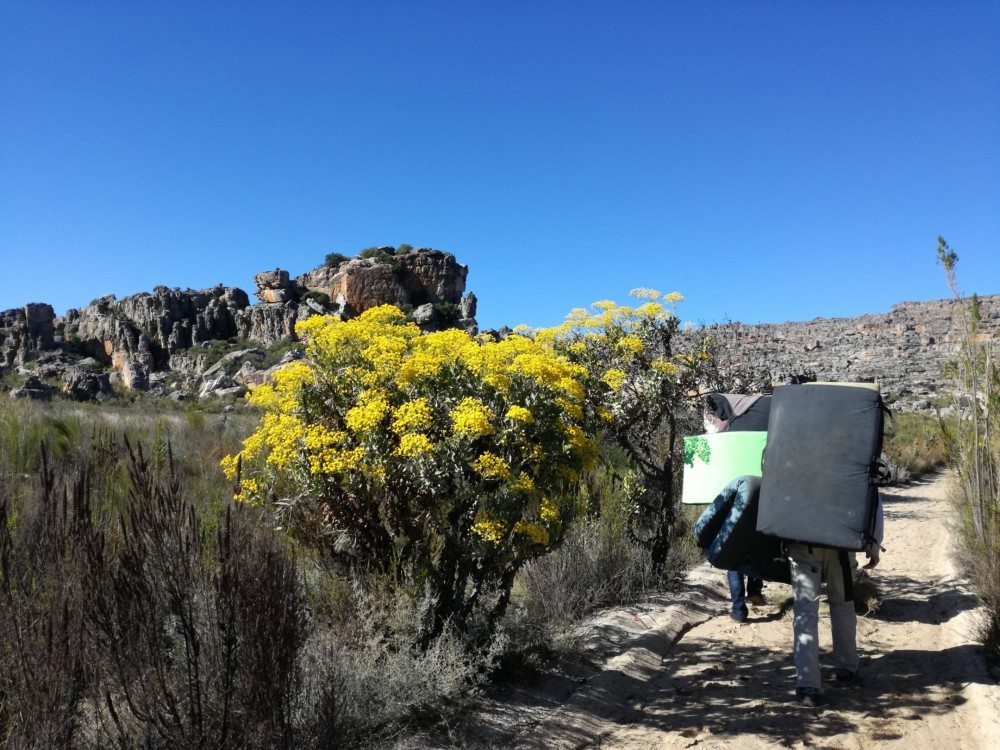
{"points": [[974, 437]]}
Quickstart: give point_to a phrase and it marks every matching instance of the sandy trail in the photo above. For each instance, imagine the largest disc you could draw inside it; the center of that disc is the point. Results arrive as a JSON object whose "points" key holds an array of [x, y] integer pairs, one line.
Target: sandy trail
{"points": [[924, 681]]}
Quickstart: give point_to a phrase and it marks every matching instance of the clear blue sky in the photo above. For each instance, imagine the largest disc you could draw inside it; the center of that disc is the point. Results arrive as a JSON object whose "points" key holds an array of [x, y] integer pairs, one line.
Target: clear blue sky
{"points": [[771, 161]]}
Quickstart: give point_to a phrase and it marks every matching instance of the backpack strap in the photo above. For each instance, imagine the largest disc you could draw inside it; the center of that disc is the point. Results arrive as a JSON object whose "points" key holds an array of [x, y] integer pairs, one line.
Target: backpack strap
{"points": [[845, 570]]}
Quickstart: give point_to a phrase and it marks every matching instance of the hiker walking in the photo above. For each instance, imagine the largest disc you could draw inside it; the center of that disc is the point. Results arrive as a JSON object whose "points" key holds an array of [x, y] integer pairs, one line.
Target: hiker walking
{"points": [[734, 412], [741, 593], [819, 493], [811, 565]]}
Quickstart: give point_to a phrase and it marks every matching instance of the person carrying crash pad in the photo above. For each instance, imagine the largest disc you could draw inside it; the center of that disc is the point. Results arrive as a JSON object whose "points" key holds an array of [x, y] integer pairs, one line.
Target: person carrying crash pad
{"points": [[811, 565], [726, 412], [819, 493]]}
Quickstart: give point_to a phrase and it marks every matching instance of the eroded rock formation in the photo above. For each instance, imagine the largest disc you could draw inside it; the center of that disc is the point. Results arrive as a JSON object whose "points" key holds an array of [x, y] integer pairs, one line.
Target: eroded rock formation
{"points": [[144, 335], [903, 349]]}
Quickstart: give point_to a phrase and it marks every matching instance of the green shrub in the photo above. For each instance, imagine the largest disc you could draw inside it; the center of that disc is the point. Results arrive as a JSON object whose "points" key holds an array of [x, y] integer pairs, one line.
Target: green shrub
{"points": [[417, 456], [386, 255], [333, 260], [974, 442], [915, 445], [321, 297], [447, 313]]}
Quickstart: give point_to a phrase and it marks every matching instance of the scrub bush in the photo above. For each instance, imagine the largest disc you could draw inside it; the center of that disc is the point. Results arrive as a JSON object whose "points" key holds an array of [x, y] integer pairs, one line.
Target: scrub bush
{"points": [[441, 462], [974, 439], [915, 445], [637, 384]]}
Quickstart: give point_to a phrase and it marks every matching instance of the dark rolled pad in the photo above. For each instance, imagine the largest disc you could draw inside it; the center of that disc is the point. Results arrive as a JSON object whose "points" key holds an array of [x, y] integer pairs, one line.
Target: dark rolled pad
{"points": [[821, 445], [731, 545], [706, 528]]}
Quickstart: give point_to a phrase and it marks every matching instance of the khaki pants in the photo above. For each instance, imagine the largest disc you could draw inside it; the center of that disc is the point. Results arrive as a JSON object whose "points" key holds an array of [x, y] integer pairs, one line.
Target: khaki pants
{"points": [[810, 566]]}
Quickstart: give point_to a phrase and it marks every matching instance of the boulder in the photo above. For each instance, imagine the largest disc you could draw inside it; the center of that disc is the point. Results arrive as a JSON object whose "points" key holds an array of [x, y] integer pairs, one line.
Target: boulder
{"points": [[236, 391], [134, 375], [209, 387], [315, 306], [276, 296], [82, 384], [424, 315], [34, 389], [274, 286], [232, 360]]}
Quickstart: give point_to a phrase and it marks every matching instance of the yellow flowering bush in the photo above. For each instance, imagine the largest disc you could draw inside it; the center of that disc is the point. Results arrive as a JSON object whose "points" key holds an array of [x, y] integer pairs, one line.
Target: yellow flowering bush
{"points": [[441, 460], [635, 383]]}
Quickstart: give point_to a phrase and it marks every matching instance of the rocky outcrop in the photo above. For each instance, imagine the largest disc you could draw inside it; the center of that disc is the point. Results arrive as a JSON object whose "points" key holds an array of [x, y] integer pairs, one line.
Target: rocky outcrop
{"points": [[81, 383], [149, 327], [158, 340], [274, 286], [34, 389], [903, 350], [412, 279], [145, 337], [26, 329]]}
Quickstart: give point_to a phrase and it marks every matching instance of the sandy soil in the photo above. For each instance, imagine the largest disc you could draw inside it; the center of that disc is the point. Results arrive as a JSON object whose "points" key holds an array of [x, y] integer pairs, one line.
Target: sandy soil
{"points": [[679, 673]]}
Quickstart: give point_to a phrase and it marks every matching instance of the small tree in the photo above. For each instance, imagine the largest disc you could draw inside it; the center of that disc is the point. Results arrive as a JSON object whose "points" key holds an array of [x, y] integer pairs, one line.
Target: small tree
{"points": [[441, 461], [975, 447], [333, 260], [636, 383]]}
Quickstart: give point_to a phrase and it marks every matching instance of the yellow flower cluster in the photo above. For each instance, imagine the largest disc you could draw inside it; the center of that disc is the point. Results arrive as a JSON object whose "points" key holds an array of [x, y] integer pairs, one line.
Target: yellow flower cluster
{"points": [[489, 530], [413, 416], [332, 461], [377, 409], [520, 414], [614, 378], [471, 418], [413, 445], [631, 345], [491, 466], [533, 531], [368, 414]]}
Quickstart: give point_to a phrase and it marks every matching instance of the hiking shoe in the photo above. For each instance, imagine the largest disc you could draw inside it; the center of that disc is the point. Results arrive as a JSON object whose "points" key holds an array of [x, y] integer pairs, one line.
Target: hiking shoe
{"points": [[846, 676], [757, 600], [807, 696], [736, 617]]}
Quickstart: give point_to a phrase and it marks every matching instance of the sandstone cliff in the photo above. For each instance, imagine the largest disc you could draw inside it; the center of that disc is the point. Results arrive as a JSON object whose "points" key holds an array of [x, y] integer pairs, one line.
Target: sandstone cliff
{"points": [[903, 349], [160, 340], [144, 333]]}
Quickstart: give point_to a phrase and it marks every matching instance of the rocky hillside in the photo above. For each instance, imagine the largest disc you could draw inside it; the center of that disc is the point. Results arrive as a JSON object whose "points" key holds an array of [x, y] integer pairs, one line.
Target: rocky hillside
{"points": [[184, 342], [214, 342], [903, 349]]}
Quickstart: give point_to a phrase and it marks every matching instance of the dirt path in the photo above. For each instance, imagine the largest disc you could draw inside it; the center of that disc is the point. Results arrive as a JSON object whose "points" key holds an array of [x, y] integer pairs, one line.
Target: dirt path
{"points": [[924, 683]]}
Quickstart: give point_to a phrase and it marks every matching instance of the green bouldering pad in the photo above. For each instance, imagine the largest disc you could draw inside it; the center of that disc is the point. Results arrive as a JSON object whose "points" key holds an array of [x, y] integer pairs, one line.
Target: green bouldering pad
{"points": [[713, 461]]}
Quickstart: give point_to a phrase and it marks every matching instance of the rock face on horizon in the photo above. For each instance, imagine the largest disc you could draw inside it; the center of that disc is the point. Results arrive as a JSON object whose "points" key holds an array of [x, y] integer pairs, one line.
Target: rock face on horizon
{"points": [[187, 344], [158, 332], [902, 350]]}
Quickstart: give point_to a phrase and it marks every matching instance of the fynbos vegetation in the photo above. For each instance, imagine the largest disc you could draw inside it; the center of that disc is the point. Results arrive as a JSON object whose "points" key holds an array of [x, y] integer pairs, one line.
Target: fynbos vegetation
{"points": [[974, 437]]}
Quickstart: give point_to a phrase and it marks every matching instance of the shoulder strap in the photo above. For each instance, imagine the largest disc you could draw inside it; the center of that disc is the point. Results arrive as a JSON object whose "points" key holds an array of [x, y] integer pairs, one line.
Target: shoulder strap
{"points": [[845, 570]]}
